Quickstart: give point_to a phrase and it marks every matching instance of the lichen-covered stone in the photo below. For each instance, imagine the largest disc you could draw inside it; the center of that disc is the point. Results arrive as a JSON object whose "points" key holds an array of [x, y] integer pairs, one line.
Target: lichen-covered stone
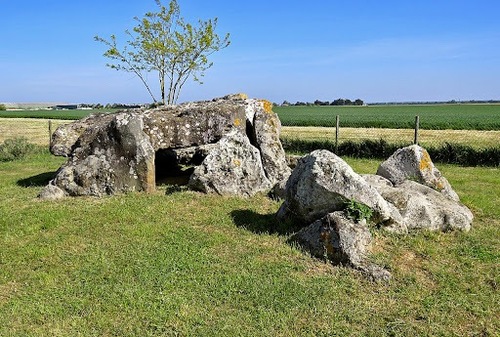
{"points": [[414, 163], [423, 207], [323, 183], [115, 153], [118, 159], [233, 167], [341, 241], [65, 137], [267, 128]]}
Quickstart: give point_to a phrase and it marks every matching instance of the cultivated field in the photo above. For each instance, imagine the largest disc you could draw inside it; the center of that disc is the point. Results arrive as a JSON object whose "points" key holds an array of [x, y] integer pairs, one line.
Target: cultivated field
{"points": [[52, 114], [475, 138], [432, 117]]}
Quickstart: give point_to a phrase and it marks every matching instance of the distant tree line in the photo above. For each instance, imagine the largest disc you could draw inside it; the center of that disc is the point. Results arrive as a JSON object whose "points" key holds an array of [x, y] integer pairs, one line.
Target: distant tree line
{"points": [[338, 101], [491, 101], [108, 106]]}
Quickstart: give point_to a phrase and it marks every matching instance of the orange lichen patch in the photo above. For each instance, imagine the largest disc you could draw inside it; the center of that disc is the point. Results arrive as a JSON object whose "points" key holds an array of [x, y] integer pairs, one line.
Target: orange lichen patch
{"points": [[439, 185], [268, 106], [236, 162], [237, 122], [241, 96], [325, 237], [425, 161]]}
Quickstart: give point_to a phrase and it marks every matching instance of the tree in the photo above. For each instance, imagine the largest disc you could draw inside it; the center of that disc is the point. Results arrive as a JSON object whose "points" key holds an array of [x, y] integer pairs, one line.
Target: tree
{"points": [[3, 107], [163, 42]]}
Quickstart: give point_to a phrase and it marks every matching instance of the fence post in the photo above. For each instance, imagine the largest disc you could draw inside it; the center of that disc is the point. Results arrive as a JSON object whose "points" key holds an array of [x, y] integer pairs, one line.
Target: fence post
{"points": [[50, 131], [417, 125], [337, 123]]}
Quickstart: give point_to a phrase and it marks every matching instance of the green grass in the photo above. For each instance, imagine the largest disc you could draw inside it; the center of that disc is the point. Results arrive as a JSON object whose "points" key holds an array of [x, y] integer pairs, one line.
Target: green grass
{"points": [[52, 114], [433, 117], [189, 264]]}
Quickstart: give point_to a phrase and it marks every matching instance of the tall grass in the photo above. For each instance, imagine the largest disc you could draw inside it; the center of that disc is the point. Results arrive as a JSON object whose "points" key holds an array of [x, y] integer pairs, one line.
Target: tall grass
{"points": [[17, 148], [189, 264]]}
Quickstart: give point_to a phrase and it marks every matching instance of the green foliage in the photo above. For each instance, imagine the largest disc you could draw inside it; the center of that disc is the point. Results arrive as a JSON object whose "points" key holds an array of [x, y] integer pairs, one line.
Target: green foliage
{"points": [[164, 43], [3, 107], [432, 117], [357, 211], [17, 148]]}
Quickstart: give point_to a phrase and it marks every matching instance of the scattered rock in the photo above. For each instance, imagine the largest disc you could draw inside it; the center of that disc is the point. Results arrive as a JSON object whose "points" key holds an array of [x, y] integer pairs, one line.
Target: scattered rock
{"points": [[414, 163], [323, 183], [51, 192], [423, 207], [341, 241]]}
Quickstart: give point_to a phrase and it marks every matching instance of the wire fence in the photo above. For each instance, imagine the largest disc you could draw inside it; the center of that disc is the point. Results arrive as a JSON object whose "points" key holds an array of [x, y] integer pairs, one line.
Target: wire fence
{"points": [[465, 147], [336, 133]]}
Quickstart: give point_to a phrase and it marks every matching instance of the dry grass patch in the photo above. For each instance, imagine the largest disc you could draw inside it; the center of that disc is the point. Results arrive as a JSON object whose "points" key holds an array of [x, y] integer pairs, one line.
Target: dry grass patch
{"points": [[35, 130]]}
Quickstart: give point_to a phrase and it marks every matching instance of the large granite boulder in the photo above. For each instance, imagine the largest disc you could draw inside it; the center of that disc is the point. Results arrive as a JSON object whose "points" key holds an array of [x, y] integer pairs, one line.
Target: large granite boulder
{"points": [[233, 167], [423, 207], [414, 163], [125, 151], [341, 241], [323, 183], [117, 157], [65, 137]]}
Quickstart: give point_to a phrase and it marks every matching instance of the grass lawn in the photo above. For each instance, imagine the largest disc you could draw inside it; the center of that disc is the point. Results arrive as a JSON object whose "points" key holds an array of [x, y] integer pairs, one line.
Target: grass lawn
{"points": [[188, 264]]}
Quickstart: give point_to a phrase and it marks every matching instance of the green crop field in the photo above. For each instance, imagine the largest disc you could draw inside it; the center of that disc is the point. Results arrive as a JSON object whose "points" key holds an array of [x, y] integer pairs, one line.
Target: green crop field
{"points": [[432, 117], [52, 114]]}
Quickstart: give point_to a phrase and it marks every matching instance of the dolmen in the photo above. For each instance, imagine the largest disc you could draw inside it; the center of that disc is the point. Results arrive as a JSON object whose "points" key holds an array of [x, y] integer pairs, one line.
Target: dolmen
{"points": [[231, 146]]}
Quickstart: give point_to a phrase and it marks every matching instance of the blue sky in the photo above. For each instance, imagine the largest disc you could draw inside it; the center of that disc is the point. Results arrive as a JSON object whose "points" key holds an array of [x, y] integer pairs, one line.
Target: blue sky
{"points": [[281, 50]]}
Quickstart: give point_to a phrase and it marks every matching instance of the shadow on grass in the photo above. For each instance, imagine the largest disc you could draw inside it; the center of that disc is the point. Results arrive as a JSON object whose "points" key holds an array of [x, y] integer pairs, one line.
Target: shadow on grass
{"points": [[39, 180], [262, 223]]}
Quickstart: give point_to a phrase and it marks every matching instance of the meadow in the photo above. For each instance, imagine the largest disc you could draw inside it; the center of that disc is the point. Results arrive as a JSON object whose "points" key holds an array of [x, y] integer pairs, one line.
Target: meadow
{"points": [[432, 117], [180, 263]]}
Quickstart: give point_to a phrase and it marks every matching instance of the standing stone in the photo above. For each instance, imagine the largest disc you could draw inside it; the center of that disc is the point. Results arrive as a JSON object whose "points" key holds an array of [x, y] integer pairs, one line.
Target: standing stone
{"points": [[119, 159], [414, 163], [267, 128], [233, 167]]}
